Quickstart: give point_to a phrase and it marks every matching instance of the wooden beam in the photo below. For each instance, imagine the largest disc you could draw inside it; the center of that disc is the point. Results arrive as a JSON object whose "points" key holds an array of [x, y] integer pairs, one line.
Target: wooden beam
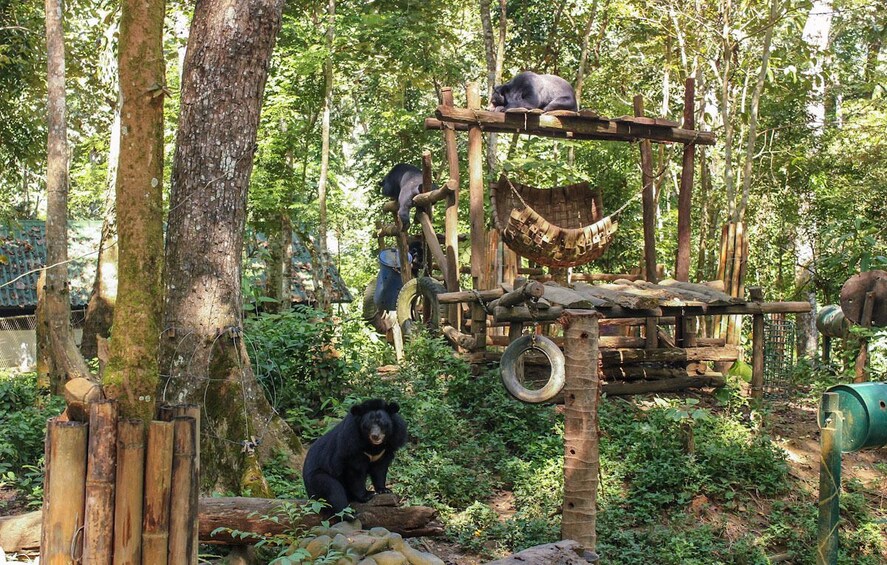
{"points": [[575, 127], [476, 213], [664, 385], [757, 349], [685, 195], [451, 218]]}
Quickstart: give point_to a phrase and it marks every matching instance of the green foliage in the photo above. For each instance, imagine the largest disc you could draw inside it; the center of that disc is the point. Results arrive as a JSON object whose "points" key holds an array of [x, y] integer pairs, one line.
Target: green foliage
{"points": [[24, 410]]}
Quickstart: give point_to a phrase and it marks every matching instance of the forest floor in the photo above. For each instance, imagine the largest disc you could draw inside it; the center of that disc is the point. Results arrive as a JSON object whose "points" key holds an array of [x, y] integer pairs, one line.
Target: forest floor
{"points": [[792, 423]]}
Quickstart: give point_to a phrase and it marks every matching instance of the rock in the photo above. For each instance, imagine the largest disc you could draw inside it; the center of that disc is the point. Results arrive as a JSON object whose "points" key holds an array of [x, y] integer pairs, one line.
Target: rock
{"points": [[417, 557], [395, 541], [345, 527], [390, 558], [367, 561], [340, 542], [319, 545], [379, 532], [381, 544], [361, 543]]}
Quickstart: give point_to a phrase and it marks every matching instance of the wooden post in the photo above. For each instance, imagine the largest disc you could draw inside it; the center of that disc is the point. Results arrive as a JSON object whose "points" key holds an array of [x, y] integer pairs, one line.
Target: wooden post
{"points": [[129, 495], [581, 456], [685, 196], [476, 211], [451, 218], [734, 323], [866, 322], [193, 411], [101, 469], [158, 474], [649, 207], [64, 492], [183, 496], [757, 347]]}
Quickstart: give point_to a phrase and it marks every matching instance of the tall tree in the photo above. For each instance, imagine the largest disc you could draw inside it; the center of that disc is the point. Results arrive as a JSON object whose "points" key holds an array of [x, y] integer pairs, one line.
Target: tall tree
{"points": [[320, 275], [58, 354], [131, 375], [202, 350]]}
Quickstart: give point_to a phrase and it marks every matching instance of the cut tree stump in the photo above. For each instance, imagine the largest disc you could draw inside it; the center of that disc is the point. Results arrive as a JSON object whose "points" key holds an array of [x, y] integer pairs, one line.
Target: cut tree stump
{"points": [[566, 552]]}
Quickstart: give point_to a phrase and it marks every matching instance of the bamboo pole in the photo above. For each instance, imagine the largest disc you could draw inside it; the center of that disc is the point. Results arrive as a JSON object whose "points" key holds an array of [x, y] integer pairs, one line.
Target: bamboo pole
{"points": [[183, 503], [685, 195], [649, 205], [735, 275], [476, 212], [64, 491], [829, 480], [451, 216], [129, 492], [757, 345], [158, 474], [101, 469], [193, 411], [581, 455]]}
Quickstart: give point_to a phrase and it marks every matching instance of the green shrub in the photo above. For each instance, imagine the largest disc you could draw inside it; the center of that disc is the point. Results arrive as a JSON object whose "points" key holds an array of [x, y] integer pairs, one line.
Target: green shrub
{"points": [[24, 410]]}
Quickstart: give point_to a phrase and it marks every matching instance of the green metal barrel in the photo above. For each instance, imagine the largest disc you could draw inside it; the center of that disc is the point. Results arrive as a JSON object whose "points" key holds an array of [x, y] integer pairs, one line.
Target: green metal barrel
{"points": [[830, 321], [864, 410]]}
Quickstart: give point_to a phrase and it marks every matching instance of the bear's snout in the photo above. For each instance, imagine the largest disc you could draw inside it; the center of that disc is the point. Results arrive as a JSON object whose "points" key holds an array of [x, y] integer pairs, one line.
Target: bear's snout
{"points": [[377, 436]]}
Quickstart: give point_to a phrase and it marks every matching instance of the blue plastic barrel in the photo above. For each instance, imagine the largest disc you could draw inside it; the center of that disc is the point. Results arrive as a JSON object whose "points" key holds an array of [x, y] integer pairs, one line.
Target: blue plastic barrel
{"points": [[389, 281]]}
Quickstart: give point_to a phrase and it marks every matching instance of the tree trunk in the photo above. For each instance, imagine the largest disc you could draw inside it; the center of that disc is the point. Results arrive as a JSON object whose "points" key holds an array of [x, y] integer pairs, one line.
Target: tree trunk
{"points": [[131, 375], [322, 286], [753, 115], [280, 263], [100, 310], [202, 351], [58, 353], [490, 56]]}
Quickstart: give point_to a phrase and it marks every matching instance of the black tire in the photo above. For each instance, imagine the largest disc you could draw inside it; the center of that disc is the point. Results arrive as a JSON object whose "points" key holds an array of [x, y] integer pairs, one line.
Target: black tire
{"points": [[408, 315], [369, 310], [509, 369]]}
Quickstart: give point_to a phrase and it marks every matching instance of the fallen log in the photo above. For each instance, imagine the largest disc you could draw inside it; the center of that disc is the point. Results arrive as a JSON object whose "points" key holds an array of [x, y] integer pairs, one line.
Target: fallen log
{"points": [[22, 532], [665, 385], [566, 552]]}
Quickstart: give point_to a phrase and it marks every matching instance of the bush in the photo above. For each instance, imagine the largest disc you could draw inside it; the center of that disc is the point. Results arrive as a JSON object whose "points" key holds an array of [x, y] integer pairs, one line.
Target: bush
{"points": [[24, 410]]}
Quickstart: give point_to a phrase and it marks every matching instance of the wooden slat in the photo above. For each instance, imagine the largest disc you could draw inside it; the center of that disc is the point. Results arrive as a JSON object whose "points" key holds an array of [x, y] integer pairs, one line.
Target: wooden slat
{"points": [[547, 124]]}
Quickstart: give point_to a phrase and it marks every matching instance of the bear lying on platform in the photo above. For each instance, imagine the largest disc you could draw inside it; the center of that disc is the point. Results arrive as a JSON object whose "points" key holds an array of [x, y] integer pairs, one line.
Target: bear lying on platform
{"points": [[363, 444], [531, 91]]}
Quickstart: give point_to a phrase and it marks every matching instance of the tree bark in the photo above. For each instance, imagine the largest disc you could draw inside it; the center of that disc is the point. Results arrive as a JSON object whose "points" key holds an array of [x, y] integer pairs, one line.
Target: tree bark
{"points": [[280, 263], [131, 375], [58, 354], [490, 52], [753, 114], [202, 351], [322, 288]]}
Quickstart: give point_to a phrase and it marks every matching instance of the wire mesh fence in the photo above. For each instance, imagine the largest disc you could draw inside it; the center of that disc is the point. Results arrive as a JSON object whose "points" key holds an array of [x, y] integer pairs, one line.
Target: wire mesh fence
{"points": [[779, 355]]}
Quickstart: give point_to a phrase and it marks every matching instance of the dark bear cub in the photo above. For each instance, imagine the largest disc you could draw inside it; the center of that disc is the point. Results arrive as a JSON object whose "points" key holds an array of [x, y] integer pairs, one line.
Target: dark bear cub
{"points": [[363, 444], [531, 91]]}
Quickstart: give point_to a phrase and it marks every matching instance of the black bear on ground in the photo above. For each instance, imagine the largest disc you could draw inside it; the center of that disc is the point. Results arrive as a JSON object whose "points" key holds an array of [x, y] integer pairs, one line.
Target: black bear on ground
{"points": [[531, 91], [362, 444], [403, 182]]}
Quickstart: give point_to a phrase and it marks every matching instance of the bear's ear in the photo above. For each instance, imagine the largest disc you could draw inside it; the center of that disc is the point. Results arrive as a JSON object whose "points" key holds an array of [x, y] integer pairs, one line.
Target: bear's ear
{"points": [[393, 408], [358, 409]]}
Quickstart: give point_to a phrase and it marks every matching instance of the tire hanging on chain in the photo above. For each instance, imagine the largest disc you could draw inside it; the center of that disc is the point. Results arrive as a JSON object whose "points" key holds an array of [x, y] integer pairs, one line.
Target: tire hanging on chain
{"points": [[408, 315], [510, 378]]}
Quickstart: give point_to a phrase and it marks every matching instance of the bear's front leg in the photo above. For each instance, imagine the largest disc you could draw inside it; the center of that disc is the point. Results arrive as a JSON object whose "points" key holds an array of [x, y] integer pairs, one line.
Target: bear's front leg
{"points": [[379, 474], [355, 482]]}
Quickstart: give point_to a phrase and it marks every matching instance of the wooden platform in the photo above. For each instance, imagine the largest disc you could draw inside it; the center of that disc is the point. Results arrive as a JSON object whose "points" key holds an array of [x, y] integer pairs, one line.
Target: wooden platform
{"points": [[629, 299], [565, 124]]}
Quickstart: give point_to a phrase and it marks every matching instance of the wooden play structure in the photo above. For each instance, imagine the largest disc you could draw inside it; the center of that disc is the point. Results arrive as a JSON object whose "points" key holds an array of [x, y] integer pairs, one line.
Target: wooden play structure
{"points": [[566, 227]]}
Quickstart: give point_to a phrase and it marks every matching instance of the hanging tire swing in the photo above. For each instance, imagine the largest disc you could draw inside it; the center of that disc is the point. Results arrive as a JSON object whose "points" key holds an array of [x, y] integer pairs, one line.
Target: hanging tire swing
{"points": [[417, 303], [510, 378]]}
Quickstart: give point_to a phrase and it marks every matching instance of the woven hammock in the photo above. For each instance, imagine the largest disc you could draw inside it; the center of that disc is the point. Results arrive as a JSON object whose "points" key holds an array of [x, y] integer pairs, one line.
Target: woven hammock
{"points": [[558, 227]]}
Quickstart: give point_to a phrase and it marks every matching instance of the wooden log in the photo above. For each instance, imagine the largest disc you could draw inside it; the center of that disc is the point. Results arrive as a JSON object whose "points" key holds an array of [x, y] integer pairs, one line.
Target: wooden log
{"points": [[637, 372], [868, 306], [245, 514], [598, 277], [129, 492], [22, 533], [403, 251], [581, 456], [524, 314], [649, 204], [458, 338], [183, 507], [628, 356], [388, 230], [604, 341], [158, 476], [574, 127], [391, 206], [666, 385], [757, 346], [64, 491], [528, 291], [193, 411], [685, 194], [566, 297], [451, 217], [469, 296], [702, 292], [565, 552], [101, 471], [431, 240], [733, 321], [476, 214], [79, 393], [710, 342], [441, 193]]}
